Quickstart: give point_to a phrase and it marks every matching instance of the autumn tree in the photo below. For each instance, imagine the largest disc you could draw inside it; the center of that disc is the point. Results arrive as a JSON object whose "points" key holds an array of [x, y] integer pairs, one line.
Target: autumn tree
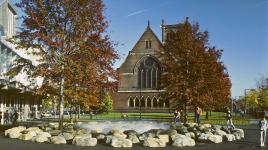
{"points": [[76, 55], [193, 73]]}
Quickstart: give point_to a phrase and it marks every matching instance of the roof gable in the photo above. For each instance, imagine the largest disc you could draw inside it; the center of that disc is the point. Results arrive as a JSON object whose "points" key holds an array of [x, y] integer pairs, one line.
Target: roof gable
{"points": [[148, 34]]}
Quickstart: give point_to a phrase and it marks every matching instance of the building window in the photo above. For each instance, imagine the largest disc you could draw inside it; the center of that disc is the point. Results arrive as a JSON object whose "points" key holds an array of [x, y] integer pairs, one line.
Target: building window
{"points": [[155, 102], [148, 43], [142, 102], [149, 102], [131, 102], [149, 74], [137, 102]]}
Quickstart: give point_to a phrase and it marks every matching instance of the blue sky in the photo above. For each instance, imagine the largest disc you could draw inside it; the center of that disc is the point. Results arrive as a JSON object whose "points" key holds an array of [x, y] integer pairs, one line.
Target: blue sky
{"points": [[239, 27]]}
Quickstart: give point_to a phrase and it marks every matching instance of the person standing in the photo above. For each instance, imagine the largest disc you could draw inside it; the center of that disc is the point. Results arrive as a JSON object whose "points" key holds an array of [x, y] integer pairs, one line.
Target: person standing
{"points": [[6, 117], [198, 113], [15, 117], [229, 122], [263, 127]]}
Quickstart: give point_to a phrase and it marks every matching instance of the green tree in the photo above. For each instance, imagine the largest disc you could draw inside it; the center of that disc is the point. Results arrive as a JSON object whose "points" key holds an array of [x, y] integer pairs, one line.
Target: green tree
{"points": [[107, 104], [193, 73]]}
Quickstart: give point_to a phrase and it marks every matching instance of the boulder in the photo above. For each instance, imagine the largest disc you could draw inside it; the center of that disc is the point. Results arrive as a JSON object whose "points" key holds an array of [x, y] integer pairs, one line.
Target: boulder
{"points": [[67, 136], [85, 141], [207, 125], [53, 125], [82, 131], [204, 137], [190, 134], [40, 139], [240, 132], [14, 134], [146, 136], [33, 133], [57, 140], [183, 141], [172, 132], [15, 129], [237, 135], [175, 136], [133, 138], [34, 129], [26, 137], [230, 137], [130, 132], [55, 132], [215, 138], [101, 137], [44, 134], [120, 142], [119, 134], [154, 142], [163, 137], [108, 139], [220, 133]]}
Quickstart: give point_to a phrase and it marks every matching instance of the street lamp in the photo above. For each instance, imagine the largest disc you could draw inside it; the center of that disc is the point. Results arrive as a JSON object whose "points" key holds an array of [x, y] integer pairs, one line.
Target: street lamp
{"points": [[246, 98]]}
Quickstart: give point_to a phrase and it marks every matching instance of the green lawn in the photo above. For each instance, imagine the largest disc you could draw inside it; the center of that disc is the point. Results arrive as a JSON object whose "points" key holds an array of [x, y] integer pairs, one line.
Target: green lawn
{"points": [[215, 118]]}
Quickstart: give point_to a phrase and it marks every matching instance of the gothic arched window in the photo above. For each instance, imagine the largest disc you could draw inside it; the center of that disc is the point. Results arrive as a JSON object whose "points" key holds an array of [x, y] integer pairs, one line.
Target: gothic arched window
{"points": [[142, 102], [155, 102], [131, 102], [149, 102], [137, 102], [149, 74]]}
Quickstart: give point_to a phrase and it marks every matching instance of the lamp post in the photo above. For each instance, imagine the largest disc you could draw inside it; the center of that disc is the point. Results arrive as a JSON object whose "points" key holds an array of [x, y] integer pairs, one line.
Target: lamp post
{"points": [[246, 98]]}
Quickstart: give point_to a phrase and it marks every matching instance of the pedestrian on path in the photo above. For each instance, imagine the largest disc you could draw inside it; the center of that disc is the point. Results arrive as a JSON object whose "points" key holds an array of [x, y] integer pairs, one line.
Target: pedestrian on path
{"points": [[198, 113], [177, 116], [263, 128], [6, 117], [229, 122]]}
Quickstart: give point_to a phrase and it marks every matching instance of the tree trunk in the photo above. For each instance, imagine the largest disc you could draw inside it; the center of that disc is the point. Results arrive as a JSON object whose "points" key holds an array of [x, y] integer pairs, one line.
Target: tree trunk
{"points": [[54, 108], [207, 115], [185, 112], [78, 111], [61, 104]]}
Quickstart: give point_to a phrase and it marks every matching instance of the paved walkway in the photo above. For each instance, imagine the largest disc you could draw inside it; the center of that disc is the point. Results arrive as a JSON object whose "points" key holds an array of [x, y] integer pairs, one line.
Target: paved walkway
{"points": [[251, 142]]}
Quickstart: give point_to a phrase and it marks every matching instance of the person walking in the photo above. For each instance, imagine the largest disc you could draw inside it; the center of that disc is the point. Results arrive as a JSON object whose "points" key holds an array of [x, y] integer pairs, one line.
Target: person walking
{"points": [[229, 122], [263, 128], [177, 115], [6, 117]]}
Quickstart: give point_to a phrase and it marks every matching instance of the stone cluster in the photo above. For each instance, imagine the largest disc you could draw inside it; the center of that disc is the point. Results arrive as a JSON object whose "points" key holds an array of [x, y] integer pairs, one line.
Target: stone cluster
{"points": [[178, 136]]}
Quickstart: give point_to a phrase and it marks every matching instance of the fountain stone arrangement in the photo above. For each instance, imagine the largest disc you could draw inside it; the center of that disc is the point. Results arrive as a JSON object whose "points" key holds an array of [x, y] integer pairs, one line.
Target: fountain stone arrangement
{"points": [[126, 133]]}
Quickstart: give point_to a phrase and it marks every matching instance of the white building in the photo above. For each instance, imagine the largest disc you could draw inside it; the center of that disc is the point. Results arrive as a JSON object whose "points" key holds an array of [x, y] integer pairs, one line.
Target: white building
{"points": [[14, 95]]}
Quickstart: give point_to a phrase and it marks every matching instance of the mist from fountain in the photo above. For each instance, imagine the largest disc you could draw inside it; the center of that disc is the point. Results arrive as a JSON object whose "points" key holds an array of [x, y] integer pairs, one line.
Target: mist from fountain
{"points": [[138, 126]]}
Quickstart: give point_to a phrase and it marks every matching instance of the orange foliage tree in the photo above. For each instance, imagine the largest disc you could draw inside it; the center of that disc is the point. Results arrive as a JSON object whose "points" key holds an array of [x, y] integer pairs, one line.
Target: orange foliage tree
{"points": [[193, 73], [76, 54]]}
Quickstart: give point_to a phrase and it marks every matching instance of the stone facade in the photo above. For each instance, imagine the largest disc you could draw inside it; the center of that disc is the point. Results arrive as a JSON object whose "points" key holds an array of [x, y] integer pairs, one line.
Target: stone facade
{"points": [[139, 76]]}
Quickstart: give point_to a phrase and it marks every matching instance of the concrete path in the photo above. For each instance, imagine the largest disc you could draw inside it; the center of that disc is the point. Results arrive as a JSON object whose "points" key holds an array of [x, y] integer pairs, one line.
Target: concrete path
{"points": [[251, 142]]}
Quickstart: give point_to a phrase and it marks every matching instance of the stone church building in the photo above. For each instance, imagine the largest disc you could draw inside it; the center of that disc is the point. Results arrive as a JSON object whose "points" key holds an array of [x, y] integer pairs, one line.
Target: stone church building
{"points": [[139, 75]]}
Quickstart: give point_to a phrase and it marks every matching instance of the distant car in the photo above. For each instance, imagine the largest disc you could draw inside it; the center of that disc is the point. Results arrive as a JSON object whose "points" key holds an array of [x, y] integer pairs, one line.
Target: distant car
{"points": [[46, 114]]}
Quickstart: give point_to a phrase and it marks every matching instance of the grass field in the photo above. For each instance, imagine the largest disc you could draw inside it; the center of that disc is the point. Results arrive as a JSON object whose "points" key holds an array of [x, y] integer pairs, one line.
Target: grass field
{"points": [[215, 118]]}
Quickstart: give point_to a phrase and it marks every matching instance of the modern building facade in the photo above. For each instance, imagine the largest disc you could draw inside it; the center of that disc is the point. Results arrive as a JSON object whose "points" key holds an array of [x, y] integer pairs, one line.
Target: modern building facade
{"points": [[15, 93], [139, 75]]}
